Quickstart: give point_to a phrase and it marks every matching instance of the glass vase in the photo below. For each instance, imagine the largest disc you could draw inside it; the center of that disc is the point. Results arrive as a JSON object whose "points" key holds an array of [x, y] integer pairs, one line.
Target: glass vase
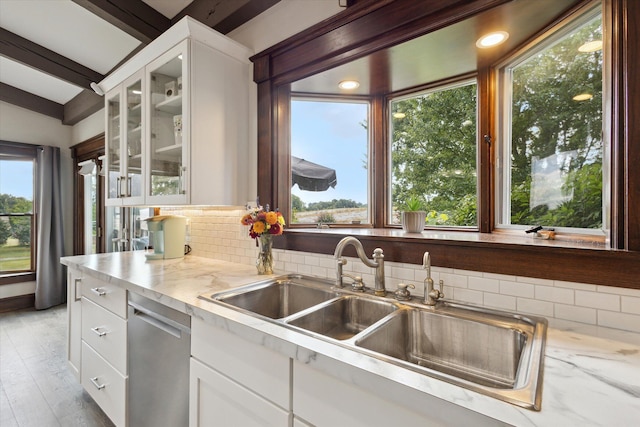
{"points": [[264, 263]]}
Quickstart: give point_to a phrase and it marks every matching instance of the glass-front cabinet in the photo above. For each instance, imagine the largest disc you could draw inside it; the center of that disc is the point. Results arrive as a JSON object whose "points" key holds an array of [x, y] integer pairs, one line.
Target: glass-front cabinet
{"points": [[125, 144], [168, 138]]}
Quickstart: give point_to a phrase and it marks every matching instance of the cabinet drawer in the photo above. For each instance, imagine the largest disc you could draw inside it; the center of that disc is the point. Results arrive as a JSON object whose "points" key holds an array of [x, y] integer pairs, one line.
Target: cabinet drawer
{"points": [[106, 333], [215, 400], [109, 296], [107, 387], [258, 368]]}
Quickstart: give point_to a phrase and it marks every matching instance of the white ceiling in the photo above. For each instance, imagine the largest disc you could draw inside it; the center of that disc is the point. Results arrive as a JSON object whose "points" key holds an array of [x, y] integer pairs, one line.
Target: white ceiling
{"points": [[74, 32]]}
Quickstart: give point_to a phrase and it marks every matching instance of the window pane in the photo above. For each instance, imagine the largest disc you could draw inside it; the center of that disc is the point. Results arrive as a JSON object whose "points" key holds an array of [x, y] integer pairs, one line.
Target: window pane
{"points": [[556, 134], [16, 198], [329, 149], [433, 155]]}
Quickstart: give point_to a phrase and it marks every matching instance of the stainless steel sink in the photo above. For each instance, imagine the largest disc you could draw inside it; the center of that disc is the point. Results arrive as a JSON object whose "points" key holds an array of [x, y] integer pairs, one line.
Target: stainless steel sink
{"points": [[485, 350], [277, 299], [345, 317], [495, 353]]}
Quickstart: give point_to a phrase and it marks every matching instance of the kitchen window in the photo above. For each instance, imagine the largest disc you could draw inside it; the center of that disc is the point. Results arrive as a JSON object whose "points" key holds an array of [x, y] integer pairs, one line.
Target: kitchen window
{"points": [[329, 161], [17, 217], [434, 155], [552, 165]]}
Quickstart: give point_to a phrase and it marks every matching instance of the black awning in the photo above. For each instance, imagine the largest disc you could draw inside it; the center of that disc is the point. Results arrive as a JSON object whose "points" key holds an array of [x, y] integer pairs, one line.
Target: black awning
{"points": [[310, 176]]}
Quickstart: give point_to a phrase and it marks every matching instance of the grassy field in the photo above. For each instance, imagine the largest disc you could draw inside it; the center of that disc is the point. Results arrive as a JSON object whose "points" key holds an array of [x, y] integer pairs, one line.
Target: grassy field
{"points": [[342, 215], [15, 258]]}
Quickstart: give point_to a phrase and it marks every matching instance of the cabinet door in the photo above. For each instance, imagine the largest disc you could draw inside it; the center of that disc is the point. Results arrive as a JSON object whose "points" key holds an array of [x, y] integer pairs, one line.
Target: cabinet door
{"points": [[74, 317], [216, 400], [113, 158], [168, 127], [133, 144]]}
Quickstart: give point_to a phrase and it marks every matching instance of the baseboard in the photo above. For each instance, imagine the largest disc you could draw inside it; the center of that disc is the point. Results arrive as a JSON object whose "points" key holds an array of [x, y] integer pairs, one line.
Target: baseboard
{"points": [[17, 302]]}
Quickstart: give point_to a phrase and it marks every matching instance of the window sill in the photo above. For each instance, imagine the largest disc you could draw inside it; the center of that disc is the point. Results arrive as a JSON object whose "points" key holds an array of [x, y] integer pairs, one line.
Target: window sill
{"points": [[11, 278], [498, 252]]}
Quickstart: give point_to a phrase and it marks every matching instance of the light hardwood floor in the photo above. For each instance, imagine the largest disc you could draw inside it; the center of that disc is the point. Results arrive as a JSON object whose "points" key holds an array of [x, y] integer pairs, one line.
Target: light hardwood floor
{"points": [[37, 389]]}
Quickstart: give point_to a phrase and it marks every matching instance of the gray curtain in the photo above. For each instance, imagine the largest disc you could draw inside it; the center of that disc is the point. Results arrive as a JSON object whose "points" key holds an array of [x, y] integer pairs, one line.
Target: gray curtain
{"points": [[50, 278]]}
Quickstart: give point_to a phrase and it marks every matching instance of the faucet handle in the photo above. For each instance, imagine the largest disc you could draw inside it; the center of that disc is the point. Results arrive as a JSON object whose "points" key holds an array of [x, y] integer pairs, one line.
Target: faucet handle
{"points": [[402, 293], [358, 284], [441, 290]]}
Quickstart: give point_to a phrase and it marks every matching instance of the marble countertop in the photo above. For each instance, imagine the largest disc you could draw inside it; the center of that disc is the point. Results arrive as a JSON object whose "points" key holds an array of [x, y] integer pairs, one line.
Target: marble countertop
{"points": [[591, 374]]}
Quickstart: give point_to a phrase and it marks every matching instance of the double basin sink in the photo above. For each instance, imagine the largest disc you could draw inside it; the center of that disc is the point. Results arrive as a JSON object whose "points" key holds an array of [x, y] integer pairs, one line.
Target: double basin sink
{"points": [[495, 353]]}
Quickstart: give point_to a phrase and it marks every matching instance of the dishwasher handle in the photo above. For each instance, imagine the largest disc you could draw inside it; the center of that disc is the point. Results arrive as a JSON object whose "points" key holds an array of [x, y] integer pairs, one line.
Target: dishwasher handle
{"points": [[159, 321]]}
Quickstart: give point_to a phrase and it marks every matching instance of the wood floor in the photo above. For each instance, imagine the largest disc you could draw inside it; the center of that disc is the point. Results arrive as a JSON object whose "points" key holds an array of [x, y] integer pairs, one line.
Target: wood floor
{"points": [[37, 389]]}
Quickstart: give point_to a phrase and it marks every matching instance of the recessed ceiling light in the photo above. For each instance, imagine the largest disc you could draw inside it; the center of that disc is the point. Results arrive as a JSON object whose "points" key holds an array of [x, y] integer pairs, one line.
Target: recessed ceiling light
{"points": [[583, 97], [399, 115], [348, 84], [492, 39], [591, 46]]}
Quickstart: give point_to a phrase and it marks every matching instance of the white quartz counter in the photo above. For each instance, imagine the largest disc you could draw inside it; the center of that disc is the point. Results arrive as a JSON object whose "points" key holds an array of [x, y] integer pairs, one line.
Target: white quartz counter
{"points": [[591, 374]]}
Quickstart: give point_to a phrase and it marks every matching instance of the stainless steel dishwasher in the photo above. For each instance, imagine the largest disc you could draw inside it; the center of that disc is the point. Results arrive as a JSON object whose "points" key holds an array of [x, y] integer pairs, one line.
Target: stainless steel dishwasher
{"points": [[158, 343]]}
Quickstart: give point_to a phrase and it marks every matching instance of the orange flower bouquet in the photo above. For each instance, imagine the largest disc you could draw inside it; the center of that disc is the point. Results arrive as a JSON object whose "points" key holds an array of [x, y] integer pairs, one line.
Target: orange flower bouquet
{"points": [[264, 224]]}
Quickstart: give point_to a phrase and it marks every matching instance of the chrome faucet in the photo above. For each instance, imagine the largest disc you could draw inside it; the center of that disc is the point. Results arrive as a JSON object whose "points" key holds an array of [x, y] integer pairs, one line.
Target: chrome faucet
{"points": [[377, 263], [431, 295]]}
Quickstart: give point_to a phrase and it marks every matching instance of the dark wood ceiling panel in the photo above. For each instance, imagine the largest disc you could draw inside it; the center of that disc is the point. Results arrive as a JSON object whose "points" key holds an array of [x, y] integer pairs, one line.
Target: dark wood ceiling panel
{"points": [[32, 102], [134, 17], [26, 52]]}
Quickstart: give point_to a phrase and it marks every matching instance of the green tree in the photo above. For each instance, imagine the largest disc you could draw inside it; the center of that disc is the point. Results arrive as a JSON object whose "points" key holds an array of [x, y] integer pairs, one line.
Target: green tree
{"points": [[547, 121], [434, 152], [5, 231], [297, 204], [19, 227]]}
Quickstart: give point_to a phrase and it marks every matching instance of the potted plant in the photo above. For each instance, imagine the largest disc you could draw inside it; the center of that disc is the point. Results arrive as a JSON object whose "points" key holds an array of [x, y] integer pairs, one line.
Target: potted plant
{"points": [[413, 215]]}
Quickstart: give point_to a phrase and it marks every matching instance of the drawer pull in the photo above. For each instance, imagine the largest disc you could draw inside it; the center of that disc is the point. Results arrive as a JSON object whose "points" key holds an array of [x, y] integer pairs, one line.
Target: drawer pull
{"points": [[99, 291], [98, 332], [95, 382]]}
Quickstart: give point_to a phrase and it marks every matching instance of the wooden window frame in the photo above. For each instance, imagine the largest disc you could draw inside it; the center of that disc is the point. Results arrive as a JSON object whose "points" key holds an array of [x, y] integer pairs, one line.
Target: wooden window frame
{"points": [[347, 36]]}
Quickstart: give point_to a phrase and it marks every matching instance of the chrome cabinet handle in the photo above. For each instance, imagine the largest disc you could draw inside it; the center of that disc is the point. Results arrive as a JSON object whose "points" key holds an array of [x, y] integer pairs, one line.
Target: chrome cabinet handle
{"points": [[129, 186], [99, 291], [95, 382], [98, 332], [119, 192], [77, 296]]}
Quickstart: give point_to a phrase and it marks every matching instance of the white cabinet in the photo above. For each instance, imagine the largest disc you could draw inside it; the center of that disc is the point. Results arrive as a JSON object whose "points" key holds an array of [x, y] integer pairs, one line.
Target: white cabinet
{"points": [[217, 400], [124, 143], [236, 382], [103, 333], [74, 313], [178, 130]]}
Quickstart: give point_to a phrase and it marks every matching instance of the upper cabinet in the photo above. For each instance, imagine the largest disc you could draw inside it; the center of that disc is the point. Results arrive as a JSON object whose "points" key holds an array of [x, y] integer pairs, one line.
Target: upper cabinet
{"points": [[178, 126], [124, 148]]}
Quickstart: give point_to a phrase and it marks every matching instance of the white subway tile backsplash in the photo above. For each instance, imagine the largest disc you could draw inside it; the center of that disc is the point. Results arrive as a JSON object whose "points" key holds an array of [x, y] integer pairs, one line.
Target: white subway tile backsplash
{"points": [[630, 305], [504, 302], [551, 294], [613, 319], [598, 300], [217, 233], [484, 284], [453, 280], [466, 295], [516, 289], [577, 314], [573, 285], [541, 308]]}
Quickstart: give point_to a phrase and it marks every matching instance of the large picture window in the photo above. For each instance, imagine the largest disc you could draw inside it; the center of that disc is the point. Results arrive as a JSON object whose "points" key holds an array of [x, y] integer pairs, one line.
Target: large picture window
{"points": [[16, 214], [553, 151], [329, 161], [434, 156]]}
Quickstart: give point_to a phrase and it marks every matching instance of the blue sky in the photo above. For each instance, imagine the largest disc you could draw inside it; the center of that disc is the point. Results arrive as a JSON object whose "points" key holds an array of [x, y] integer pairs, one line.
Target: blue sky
{"points": [[330, 134], [16, 178]]}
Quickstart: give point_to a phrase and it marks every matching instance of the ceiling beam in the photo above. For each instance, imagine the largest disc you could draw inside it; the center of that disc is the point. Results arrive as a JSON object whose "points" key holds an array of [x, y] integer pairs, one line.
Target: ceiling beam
{"points": [[35, 56], [32, 102], [82, 106], [134, 17], [224, 15], [243, 14]]}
